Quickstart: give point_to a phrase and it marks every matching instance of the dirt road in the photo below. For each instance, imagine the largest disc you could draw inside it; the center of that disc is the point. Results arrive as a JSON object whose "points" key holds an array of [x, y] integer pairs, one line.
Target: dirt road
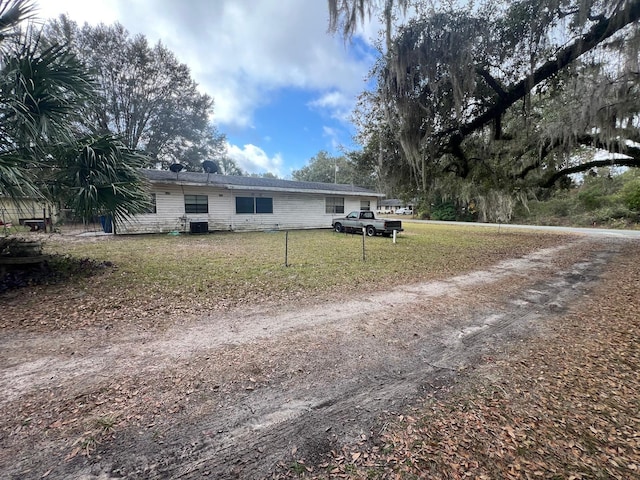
{"points": [[234, 396]]}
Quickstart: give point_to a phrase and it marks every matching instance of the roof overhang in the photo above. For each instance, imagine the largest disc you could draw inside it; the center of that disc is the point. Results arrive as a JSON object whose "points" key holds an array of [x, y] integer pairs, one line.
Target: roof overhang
{"points": [[337, 193]]}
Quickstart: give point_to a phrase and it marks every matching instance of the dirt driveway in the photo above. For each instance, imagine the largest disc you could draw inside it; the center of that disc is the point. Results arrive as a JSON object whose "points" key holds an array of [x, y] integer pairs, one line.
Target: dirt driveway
{"points": [[236, 395]]}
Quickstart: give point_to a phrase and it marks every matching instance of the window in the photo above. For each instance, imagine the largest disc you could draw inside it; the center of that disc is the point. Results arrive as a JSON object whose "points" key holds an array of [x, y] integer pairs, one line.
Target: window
{"points": [[244, 204], [264, 205], [334, 205], [254, 205], [365, 205], [196, 204]]}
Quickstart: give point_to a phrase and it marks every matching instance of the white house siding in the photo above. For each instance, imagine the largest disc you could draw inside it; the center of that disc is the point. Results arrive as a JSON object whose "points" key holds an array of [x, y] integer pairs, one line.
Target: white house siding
{"points": [[290, 210], [11, 211]]}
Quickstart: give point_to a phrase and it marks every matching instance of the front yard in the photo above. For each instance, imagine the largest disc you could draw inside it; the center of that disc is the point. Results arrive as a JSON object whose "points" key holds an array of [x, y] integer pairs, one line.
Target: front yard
{"points": [[153, 279], [454, 353]]}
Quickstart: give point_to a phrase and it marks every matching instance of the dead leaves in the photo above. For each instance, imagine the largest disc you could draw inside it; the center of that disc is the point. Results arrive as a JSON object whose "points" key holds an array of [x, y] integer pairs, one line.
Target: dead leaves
{"points": [[565, 406]]}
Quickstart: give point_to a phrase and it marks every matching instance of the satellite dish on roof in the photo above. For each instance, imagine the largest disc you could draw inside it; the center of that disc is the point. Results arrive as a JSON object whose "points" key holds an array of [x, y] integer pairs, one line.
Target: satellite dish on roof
{"points": [[209, 166], [175, 167]]}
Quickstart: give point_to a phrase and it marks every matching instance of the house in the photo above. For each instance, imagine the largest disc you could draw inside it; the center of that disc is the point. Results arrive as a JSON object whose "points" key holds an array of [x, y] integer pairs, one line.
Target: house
{"points": [[201, 202], [390, 205], [17, 211]]}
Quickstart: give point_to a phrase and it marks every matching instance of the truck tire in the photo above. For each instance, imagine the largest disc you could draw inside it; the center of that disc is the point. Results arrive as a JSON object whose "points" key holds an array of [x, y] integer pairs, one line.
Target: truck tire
{"points": [[338, 227], [371, 231]]}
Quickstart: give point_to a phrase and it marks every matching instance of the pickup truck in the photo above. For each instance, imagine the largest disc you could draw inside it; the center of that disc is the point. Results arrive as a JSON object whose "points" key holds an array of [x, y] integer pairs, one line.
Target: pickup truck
{"points": [[404, 211], [359, 219]]}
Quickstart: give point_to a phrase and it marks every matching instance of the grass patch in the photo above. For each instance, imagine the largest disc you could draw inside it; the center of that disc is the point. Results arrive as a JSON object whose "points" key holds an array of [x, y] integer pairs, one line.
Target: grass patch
{"points": [[254, 262], [162, 275]]}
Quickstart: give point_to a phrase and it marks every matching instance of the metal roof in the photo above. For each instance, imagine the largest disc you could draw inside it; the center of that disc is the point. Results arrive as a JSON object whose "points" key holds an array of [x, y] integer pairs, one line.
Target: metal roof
{"points": [[234, 182]]}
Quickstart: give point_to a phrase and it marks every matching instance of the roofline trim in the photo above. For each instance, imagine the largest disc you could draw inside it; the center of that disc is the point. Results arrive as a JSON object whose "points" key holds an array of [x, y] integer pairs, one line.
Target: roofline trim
{"points": [[267, 189]]}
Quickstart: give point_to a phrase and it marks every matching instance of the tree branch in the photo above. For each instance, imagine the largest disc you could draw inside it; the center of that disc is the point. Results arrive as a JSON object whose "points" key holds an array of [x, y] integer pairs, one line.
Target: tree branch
{"points": [[492, 82], [604, 29], [619, 147], [583, 167], [587, 140]]}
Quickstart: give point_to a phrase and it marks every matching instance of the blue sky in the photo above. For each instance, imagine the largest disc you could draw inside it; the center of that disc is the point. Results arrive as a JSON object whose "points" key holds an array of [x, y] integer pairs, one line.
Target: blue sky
{"points": [[283, 87]]}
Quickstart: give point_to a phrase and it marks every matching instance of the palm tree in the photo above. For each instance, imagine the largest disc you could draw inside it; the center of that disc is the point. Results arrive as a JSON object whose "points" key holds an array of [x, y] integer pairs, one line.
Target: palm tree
{"points": [[99, 175], [14, 153], [47, 151]]}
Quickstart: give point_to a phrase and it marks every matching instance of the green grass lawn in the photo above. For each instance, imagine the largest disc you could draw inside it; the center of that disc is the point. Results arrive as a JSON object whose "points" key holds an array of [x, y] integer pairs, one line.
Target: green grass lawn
{"points": [[157, 280], [245, 266]]}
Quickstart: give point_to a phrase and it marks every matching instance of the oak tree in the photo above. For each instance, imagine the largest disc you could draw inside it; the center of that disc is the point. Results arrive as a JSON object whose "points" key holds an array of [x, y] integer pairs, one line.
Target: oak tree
{"points": [[146, 96], [494, 100]]}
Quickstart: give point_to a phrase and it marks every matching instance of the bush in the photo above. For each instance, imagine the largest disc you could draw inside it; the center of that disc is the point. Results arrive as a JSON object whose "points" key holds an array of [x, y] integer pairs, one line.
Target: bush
{"points": [[631, 195], [605, 214], [444, 211], [591, 197]]}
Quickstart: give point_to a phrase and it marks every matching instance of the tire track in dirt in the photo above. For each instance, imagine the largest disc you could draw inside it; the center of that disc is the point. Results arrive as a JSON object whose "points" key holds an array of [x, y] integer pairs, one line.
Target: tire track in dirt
{"points": [[346, 412], [18, 378]]}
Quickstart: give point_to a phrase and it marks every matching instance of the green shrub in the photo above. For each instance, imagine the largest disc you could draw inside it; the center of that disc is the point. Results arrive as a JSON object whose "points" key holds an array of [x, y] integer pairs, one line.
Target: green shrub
{"points": [[444, 211], [591, 197], [614, 212], [631, 195]]}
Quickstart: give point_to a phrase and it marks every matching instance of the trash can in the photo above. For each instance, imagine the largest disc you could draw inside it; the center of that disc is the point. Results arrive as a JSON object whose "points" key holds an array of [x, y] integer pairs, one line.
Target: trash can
{"points": [[105, 222]]}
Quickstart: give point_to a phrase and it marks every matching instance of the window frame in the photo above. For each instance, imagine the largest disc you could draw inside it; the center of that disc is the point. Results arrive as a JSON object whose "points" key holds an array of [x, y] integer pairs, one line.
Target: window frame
{"points": [[243, 202], [259, 205], [200, 203], [334, 205], [266, 205]]}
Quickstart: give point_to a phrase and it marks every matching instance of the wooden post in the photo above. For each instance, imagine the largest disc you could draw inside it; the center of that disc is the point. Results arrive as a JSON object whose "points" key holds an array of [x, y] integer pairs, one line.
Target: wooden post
{"points": [[364, 234], [286, 249]]}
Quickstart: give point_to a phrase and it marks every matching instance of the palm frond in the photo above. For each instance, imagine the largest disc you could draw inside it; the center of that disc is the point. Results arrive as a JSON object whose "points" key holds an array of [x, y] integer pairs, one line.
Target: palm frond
{"points": [[41, 90], [101, 176], [16, 179], [12, 13]]}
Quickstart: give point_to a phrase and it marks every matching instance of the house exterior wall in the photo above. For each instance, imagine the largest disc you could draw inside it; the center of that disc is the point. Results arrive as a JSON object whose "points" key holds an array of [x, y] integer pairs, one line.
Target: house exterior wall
{"points": [[12, 211], [290, 210]]}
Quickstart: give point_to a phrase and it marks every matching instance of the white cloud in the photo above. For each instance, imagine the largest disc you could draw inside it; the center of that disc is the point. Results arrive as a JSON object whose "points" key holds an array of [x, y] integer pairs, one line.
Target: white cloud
{"points": [[255, 160], [333, 136], [241, 50], [105, 11], [338, 104]]}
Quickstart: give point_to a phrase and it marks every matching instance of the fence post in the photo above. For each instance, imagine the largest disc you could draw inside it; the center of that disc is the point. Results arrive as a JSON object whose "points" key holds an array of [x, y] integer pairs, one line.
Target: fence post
{"points": [[286, 248]]}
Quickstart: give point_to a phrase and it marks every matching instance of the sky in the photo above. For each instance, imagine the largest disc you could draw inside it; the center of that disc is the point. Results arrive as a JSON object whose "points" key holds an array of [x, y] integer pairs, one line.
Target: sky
{"points": [[283, 86]]}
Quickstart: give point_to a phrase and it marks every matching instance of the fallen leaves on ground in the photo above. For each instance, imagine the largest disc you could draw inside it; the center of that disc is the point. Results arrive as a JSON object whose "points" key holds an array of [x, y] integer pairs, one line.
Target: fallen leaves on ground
{"points": [[561, 406]]}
